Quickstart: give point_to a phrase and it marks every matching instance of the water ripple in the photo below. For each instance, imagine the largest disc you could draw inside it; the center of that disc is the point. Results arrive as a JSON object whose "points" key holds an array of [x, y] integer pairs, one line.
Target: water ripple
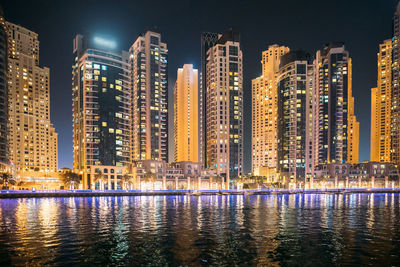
{"points": [[314, 229]]}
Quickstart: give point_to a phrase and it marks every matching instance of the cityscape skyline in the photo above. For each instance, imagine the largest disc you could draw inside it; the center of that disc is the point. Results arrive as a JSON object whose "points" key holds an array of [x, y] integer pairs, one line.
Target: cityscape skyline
{"points": [[63, 123]]}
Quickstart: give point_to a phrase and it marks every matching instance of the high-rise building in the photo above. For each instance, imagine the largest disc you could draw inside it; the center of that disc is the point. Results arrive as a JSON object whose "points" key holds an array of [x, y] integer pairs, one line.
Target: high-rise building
{"points": [[224, 106], [294, 117], [395, 95], [186, 116], [32, 139], [3, 91], [265, 111], [149, 78], [336, 130], [381, 106], [101, 106], [208, 40]]}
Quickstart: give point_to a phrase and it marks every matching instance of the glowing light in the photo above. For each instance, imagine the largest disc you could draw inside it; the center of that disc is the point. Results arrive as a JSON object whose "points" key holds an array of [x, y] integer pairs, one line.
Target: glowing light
{"points": [[105, 42]]}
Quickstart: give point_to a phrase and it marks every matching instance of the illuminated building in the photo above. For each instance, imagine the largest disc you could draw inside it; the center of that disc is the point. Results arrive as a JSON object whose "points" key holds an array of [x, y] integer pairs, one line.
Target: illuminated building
{"points": [[395, 94], [367, 174], [208, 40], [149, 79], [32, 138], [224, 106], [101, 107], [294, 120], [336, 130], [381, 106], [186, 122], [264, 112], [3, 92], [184, 175]]}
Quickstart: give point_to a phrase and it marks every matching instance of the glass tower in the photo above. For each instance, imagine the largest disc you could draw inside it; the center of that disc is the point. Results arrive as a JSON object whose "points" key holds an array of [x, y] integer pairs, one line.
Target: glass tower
{"points": [[336, 128], [295, 99], [101, 105], [148, 63]]}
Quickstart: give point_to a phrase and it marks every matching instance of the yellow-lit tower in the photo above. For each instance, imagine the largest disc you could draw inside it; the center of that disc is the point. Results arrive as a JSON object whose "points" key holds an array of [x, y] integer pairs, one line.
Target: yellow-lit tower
{"points": [[353, 124], [381, 105], [186, 119], [224, 107], [33, 140], [264, 115]]}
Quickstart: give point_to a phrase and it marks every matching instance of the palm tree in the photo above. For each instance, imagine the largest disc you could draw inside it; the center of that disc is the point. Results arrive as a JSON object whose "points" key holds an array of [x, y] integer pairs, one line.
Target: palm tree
{"points": [[219, 180], [126, 178], [98, 177], [7, 178], [69, 178], [150, 177]]}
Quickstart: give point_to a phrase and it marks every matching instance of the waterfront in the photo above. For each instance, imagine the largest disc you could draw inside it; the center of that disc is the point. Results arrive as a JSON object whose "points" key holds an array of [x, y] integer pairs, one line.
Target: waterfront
{"points": [[297, 229]]}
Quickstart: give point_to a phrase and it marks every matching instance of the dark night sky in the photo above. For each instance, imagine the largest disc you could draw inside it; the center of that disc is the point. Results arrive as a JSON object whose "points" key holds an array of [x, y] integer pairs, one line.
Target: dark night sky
{"points": [[361, 24]]}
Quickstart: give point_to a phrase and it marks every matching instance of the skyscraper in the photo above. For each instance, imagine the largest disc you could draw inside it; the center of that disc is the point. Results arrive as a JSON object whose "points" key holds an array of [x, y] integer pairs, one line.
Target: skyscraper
{"points": [[381, 106], [3, 91], [224, 106], [294, 117], [186, 116], [336, 130], [265, 110], [32, 138], [101, 106], [395, 95], [208, 40], [148, 63]]}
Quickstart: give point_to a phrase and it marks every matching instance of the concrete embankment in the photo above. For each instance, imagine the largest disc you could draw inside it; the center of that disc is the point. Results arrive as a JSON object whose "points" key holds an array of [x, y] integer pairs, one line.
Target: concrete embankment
{"points": [[96, 193]]}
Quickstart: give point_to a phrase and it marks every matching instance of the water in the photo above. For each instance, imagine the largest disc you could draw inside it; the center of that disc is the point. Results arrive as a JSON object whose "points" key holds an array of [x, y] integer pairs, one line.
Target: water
{"points": [[314, 229]]}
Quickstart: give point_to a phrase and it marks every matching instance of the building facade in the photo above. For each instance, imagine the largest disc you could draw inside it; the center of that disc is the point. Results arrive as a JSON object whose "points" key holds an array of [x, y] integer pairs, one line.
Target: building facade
{"points": [[381, 106], [265, 111], [224, 106], [395, 95], [3, 91], [101, 106], [336, 130], [208, 40], [362, 175], [148, 63], [32, 138], [185, 175], [186, 116], [294, 117]]}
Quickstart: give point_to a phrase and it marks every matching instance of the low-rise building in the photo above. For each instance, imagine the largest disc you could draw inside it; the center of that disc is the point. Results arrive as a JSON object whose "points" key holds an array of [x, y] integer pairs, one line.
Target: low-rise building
{"points": [[185, 175], [362, 175], [38, 180], [110, 178]]}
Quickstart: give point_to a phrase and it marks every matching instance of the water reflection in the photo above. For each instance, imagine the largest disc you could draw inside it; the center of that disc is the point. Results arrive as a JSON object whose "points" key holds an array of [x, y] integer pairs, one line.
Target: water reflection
{"points": [[311, 229]]}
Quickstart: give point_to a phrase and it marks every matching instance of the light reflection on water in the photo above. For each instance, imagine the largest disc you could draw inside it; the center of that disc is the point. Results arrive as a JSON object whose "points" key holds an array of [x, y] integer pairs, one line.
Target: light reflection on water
{"points": [[311, 229]]}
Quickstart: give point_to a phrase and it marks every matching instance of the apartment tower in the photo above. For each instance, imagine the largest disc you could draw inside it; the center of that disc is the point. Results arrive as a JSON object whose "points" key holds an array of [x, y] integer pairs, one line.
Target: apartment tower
{"points": [[32, 138], [3, 91], [336, 130], [186, 116], [148, 64], [294, 117], [208, 40], [395, 95], [265, 111], [381, 106], [101, 106], [224, 107]]}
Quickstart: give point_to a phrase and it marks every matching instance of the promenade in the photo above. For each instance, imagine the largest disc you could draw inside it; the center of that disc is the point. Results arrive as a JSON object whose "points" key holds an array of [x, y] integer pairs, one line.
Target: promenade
{"points": [[99, 193]]}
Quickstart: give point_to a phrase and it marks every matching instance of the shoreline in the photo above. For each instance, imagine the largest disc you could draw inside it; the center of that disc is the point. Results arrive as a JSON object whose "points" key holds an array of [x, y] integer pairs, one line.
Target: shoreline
{"points": [[4, 194]]}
